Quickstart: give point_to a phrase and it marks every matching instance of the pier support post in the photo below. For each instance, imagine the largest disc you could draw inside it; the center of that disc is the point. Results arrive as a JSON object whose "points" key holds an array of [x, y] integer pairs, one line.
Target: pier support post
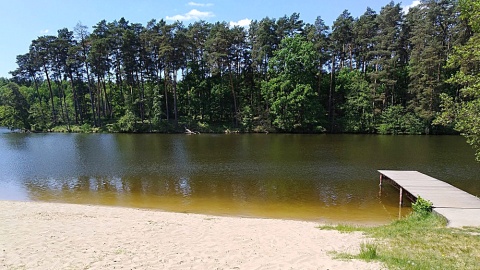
{"points": [[401, 197], [380, 185]]}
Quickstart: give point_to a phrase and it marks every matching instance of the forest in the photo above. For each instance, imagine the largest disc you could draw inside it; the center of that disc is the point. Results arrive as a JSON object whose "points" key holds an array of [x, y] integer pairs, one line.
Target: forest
{"points": [[386, 72]]}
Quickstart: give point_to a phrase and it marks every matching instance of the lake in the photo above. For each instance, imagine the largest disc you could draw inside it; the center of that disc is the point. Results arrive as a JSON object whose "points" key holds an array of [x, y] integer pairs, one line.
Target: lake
{"points": [[324, 178]]}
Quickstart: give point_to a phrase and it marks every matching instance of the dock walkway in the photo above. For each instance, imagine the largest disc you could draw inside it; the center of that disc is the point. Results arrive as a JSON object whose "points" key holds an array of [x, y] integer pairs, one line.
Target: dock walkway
{"points": [[457, 206]]}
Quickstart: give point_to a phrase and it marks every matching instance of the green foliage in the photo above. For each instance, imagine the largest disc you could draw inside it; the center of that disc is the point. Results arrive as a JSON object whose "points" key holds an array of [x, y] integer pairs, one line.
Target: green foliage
{"points": [[247, 119], [387, 52], [422, 207], [357, 108], [156, 108], [429, 54], [13, 108], [291, 107], [7, 117], [465, 116], [463, 112], [470, 10], [277, 75], [292, 101], [37, 117], [86, 128], [395, 120], [127, 122]]}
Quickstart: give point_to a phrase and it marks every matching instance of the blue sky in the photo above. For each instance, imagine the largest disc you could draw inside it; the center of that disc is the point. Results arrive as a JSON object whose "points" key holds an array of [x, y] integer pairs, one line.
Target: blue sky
{"points": [[21, 21]]}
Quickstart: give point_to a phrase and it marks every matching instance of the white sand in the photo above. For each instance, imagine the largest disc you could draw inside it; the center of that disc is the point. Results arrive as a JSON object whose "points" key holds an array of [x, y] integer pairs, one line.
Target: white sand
{"points": [[64, 236]]}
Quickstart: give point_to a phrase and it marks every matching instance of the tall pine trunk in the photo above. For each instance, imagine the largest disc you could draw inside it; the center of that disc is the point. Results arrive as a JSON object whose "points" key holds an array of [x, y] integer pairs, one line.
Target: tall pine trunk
{"points": [[166, 75], [330, 95], [54, 118], [75, 98], [175, 108], [234, 97], [39, 99]]}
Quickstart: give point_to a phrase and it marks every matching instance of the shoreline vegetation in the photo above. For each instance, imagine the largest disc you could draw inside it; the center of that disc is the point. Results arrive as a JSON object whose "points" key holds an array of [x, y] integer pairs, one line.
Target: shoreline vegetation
{"points": [[419, 241], [360, 75]]}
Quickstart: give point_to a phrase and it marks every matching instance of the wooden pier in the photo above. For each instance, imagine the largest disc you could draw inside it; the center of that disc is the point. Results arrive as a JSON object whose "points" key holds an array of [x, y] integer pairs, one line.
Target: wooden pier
{"points": [[457, 206]]}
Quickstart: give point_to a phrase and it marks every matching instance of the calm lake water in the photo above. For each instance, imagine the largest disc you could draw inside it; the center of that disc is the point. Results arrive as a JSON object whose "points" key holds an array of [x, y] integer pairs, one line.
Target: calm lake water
{"points": [[325, 178]]}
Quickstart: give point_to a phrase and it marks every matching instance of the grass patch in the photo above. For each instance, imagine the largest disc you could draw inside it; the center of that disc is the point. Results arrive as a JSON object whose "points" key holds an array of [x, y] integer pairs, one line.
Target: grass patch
{"points": [[342, 255], [368, 251], [343, 228], [419, 241]]}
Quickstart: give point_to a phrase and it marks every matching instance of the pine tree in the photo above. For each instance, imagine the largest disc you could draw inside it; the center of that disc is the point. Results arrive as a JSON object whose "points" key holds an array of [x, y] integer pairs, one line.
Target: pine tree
{"points": [[432, 39]]}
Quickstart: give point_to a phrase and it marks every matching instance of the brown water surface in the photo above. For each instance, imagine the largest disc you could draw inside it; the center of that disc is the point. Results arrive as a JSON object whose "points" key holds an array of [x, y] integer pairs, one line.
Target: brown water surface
{"points": [[325, 178]]}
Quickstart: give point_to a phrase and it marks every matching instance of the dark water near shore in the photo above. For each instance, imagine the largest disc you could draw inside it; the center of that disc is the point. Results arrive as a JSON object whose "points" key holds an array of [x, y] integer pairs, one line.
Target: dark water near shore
{"points": [[326, 178]]}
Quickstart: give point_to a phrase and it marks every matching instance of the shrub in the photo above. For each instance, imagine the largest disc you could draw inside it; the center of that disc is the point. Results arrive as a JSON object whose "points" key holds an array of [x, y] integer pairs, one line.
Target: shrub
{"points": [[127, 122], [86, 128], [422, 206]]}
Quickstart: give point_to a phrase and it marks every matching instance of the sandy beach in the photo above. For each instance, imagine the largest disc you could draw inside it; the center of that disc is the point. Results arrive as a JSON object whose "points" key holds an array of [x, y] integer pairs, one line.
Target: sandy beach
{"points": [[36, 235]]}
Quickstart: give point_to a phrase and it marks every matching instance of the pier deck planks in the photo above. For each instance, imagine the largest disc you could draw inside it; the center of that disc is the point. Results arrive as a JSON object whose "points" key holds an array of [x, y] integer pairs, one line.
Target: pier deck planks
{"points": [[457, 206]]}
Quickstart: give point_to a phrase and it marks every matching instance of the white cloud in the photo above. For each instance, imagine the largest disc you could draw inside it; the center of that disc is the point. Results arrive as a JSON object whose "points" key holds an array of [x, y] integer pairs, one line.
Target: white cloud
{"points": [[195, 4], [243, 23], [412, 5], [191, 15], [44, 32]]}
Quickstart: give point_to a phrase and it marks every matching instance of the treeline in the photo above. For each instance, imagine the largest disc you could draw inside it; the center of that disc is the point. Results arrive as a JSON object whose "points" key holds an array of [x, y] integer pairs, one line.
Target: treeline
{"points": [[379, 73]]}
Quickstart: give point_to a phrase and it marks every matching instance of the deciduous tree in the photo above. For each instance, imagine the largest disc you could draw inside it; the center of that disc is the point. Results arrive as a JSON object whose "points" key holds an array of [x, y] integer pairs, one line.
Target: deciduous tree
{"points": [[463, 111], [293, 101]]}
